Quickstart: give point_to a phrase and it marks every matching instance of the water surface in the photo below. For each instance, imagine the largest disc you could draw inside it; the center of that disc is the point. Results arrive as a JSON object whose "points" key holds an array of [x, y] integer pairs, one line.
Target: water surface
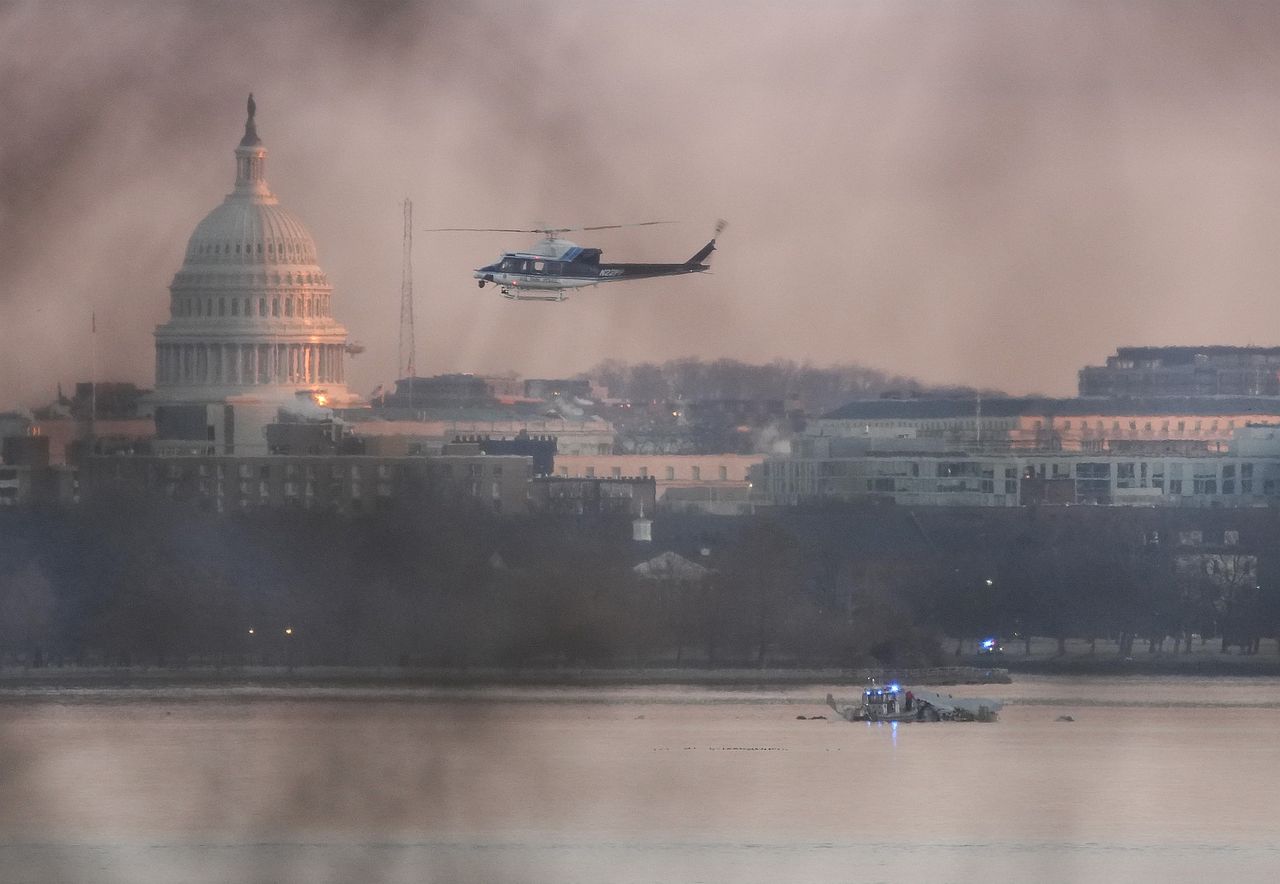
{"points": [[1157, 778]]}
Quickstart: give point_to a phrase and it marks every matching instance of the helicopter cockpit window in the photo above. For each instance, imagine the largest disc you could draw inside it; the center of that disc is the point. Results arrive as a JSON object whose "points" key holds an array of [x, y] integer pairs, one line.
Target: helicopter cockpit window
{"points": [[510, 264]]}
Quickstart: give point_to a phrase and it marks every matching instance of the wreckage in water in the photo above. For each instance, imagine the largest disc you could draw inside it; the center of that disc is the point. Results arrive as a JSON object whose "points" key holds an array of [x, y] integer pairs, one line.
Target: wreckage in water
{"points": [[895, 703]]}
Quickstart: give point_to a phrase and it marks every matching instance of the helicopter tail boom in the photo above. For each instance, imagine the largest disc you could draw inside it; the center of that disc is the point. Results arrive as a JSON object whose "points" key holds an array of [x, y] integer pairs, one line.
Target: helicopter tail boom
{"points": [[702, 254]]}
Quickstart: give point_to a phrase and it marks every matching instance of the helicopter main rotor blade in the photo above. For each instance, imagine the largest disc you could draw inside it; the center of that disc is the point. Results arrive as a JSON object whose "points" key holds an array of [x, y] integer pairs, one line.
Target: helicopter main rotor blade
{"points": [[549, 231], [493, 230], [616, 226]]}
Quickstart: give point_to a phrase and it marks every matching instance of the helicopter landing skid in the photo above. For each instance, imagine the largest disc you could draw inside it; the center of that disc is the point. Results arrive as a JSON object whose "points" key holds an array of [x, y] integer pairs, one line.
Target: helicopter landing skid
{"points": [[519, 296]]}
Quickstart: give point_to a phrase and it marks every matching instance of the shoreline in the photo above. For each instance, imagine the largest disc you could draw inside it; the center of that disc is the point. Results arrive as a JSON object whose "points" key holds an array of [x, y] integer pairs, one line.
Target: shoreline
{"points": [[337, 676], [1201, 666], [1008, 669]]}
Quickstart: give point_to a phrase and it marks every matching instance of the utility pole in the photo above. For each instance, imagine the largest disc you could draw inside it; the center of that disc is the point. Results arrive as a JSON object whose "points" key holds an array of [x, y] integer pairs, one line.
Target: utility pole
{"points": [[405, 367], [93, 380]]}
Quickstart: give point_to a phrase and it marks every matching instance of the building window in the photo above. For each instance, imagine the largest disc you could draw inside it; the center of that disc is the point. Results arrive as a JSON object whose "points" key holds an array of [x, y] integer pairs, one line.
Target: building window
{"points": [[591, 472], [262, 306], [644, 472], [671, 473], [616, 472], [1230, 538], [724, 473], [275, 306]]}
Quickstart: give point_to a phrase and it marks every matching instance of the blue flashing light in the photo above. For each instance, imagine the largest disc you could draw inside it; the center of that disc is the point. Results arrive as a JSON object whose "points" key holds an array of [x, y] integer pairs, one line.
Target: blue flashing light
{"points": [[988, 643], [893, 689]]}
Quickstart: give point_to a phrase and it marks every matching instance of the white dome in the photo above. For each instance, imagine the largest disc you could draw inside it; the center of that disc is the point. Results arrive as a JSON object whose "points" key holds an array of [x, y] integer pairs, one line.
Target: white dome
{"points": [[247, 229], [250, 311]]}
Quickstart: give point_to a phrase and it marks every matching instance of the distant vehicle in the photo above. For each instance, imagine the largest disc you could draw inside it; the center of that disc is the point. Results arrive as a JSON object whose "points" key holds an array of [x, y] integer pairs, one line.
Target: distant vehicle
{"points": [[990, 647], [551, 266]]}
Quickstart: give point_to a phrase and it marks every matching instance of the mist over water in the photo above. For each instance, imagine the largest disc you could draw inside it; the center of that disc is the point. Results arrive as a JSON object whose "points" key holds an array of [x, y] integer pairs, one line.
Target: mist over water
{"points": [[639, 784], [991, 194]]}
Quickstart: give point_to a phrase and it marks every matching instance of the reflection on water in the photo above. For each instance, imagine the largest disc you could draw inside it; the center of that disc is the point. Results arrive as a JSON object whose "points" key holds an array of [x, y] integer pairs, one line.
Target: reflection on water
{"points": [[1156, 778]]}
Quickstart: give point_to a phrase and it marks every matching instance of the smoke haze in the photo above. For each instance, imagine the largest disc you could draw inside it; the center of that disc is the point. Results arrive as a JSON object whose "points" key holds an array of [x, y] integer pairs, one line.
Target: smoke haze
{"points": [[982, 193]]}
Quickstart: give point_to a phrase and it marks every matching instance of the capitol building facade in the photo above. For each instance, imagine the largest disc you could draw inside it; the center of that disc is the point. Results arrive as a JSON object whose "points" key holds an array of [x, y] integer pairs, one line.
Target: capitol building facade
{"points": [[250, 312]]}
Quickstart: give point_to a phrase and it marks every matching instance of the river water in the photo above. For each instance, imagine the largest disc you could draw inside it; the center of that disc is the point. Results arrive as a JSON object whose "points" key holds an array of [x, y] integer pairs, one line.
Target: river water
{"points": [[1168, 779]]}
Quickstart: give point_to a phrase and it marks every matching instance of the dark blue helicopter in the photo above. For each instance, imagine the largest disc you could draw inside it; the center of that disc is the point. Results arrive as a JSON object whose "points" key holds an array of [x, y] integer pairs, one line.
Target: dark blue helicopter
{"points": [[552, 265]]}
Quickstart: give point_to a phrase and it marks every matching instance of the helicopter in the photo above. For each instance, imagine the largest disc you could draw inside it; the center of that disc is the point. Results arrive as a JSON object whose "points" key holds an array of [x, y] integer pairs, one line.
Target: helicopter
{"points": [[552, 265]]}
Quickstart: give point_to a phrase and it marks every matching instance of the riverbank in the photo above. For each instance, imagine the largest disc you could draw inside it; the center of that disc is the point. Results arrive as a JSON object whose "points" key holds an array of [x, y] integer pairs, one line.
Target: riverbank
{"points": [[549, 677], [1102, 657]]}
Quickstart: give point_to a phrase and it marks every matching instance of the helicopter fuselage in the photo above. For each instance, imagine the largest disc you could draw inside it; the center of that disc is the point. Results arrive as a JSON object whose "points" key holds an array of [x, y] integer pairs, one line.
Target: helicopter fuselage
{"points": [[553, 265]]}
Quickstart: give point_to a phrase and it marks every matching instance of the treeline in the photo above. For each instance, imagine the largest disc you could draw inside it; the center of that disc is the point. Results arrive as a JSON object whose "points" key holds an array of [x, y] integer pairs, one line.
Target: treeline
{"points": [[1167, 575], [124, 580], [819, 388], [1121, 573]]}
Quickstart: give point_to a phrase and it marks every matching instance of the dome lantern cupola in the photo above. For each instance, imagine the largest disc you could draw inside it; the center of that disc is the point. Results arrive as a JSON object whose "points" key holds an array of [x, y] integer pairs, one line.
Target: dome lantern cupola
{"points": [[251, 158]]}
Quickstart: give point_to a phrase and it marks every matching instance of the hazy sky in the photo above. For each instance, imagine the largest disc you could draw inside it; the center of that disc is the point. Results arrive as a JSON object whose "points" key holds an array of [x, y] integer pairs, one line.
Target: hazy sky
{"points": [[991, 193]]}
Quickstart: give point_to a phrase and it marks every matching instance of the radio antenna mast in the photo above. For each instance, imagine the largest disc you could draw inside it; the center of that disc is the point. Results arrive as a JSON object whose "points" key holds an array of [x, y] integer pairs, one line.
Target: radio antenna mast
{"points": [[406, 367]]}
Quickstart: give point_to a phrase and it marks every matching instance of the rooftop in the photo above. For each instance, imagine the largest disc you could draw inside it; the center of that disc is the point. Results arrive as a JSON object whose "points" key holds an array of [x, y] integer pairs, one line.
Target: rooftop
{"points": [[1035, 406]]}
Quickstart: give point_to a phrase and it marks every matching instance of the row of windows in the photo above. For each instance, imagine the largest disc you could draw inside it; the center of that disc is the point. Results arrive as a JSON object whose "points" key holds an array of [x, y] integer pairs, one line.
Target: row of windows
{"points": [[530, 265], [335, 471], [669, 473], [1084, 425], [281, 248], [1147, 427], [306, 307], [189, 278]]}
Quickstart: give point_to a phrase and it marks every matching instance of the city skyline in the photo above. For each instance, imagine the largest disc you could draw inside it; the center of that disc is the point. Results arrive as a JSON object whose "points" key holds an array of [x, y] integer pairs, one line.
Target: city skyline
{"points": [[974, 194]]}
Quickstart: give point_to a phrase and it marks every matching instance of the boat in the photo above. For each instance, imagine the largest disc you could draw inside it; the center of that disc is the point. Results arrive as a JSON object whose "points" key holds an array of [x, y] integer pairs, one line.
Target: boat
{"points": [[893, 702]]}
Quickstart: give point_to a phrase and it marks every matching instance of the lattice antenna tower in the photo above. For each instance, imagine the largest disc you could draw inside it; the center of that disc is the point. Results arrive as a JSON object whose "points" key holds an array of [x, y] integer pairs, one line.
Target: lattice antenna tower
{"points": [[406, 366]]}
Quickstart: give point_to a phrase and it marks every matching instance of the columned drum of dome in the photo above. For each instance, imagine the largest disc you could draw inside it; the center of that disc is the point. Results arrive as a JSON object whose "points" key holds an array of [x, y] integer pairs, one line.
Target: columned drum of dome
{"points": [[250, 311]]}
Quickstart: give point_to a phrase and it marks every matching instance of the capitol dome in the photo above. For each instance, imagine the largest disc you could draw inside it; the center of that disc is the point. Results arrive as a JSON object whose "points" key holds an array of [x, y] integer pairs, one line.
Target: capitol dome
{"points": [[267, 232], [250, 307]]}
